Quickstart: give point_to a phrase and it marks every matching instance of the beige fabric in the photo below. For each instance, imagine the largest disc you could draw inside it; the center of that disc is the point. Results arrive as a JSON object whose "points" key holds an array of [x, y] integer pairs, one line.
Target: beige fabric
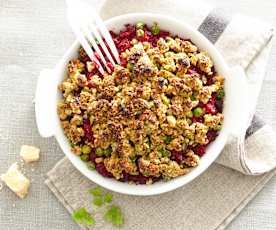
{"points": [[209, 202], [212, 200]]}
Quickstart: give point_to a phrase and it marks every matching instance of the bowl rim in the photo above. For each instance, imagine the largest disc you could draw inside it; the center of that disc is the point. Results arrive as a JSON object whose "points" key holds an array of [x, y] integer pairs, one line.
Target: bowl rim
{"points": [[145, 190]]}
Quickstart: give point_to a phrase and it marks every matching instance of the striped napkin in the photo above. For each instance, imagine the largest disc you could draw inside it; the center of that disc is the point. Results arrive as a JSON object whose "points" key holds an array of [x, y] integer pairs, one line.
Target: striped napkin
{"points": [[212, 200]]}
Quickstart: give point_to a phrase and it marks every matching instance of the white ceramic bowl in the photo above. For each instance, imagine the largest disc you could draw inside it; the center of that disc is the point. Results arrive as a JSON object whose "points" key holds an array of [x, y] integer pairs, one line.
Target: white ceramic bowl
{"points": [[47, 96]]}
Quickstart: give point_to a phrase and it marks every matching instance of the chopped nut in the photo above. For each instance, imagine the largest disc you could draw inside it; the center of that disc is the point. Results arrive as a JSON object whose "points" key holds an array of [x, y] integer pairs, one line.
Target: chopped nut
{"points": [[171, 120], [99, 160]]}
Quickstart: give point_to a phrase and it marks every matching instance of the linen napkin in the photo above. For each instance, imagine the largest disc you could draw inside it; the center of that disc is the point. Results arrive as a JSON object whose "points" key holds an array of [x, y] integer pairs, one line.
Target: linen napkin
{"points": [[212, 200]]}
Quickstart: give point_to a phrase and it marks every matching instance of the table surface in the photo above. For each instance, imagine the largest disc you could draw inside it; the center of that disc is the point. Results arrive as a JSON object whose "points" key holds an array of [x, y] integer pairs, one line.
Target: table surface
{"points": [[46, 21]]}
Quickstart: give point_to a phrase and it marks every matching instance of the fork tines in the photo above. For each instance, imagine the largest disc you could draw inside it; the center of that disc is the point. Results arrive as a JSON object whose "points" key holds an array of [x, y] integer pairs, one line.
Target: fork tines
{"points": [[90, 30]]}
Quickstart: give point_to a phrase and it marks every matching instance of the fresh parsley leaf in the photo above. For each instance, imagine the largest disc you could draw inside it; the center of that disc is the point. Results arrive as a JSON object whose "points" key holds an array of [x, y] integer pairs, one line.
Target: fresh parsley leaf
{"points": [[98, 201], [97, 191], [108, 197], [83, 217], [167, 139], [90, 165], [221, 94], [114, 215]]}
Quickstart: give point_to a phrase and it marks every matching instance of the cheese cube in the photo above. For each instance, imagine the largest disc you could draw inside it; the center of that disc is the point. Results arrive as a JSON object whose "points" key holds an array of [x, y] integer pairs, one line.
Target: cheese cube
{"points": [[16, 181], [29, 153]]}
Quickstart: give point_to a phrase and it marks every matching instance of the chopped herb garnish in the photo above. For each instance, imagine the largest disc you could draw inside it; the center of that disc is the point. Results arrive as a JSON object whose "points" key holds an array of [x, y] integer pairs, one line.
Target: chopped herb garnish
{"points": [[90, 165], [140, 25], [114, 215], [83, 217], [133, 158], [164, 152], [189, 114], [155, 29], [97, 191], [166, 100], [147, 139], [166, 178], [98, 201], [84, 157], [167, 139], [138, 149], [193, 96], [85, 149], [107, 151], [130, 66], [99, 152], [108, 197], [221, 94], [145, 173]]}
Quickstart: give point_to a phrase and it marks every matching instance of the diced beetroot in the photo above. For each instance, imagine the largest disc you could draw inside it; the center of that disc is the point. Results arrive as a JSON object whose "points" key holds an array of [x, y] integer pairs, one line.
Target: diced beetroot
{"points": [[102, 170], [197, 119], [212, 100], [87, 130], [113, 34], [117, 41], [92, 155], [163, 34], [200, 150], [210, 81], [124, 44], [123, 62], [124, 34], [128, 33], [86, 59], [219, 105], [146, 37], [177, 156], [210, 108], [153, 41], [91, 74], [211, 135], [200, 104], [191, 71], [138, 179]]}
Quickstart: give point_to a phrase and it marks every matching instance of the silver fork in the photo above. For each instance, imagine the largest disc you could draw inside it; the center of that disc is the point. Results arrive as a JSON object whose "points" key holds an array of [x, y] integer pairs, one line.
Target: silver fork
{"points": [[90, 30]]}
